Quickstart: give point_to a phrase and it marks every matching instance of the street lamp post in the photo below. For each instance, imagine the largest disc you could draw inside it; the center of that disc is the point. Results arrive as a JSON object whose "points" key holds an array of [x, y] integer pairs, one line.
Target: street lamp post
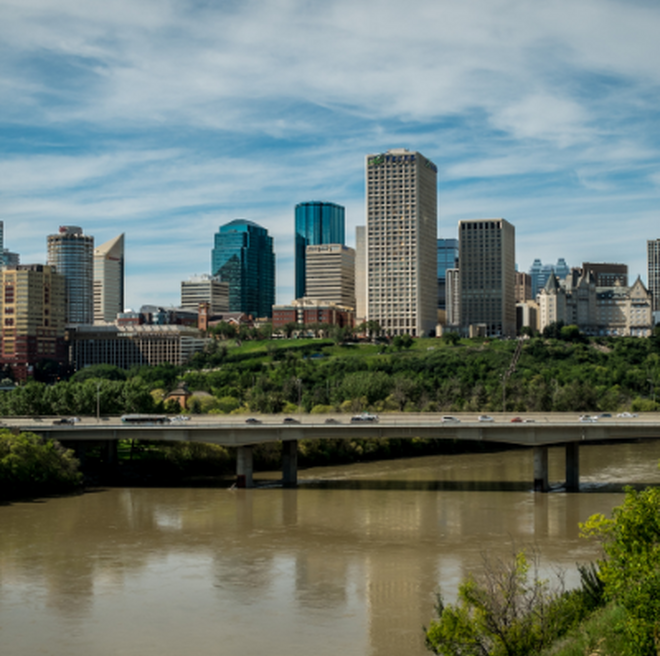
{"points": [[98, 401]]}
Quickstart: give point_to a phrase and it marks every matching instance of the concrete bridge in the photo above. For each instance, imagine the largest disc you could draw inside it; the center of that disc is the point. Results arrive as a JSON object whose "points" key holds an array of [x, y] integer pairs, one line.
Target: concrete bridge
{"points": [[536, 431]]}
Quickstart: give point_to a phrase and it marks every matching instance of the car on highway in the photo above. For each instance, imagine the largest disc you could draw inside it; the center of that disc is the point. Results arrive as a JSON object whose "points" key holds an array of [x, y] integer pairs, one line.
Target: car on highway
{"points": [[586, 419], [290, 420], [180, 418], [517, 420], [626, 415], [64, 420], [485, 418], [252, 420], [332, 420], [448, 419], [364, 417]]}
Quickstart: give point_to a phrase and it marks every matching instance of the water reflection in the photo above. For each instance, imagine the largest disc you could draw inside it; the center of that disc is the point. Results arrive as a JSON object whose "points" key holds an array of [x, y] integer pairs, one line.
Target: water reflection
{"points": [[347, 563]]}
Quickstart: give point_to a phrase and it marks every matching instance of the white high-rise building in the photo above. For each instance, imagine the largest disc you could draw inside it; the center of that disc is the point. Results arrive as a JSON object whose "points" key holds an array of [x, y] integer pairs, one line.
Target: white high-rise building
{"points": [[109, 280], [205, 289], [72, 255], [360, 274], [402, 203], [330, 275]]}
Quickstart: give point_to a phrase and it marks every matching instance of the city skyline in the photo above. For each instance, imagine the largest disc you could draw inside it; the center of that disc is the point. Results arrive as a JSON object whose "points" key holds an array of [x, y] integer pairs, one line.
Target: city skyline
{"points": [[143, 120]]}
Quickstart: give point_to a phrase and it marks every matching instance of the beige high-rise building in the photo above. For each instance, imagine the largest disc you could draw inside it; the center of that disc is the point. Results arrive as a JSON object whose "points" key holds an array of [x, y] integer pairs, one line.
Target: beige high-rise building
{"points": [[109, 280], [360, 274], [205, 289], [402, 205], [330, 274], [33, 317], [487, 260]]}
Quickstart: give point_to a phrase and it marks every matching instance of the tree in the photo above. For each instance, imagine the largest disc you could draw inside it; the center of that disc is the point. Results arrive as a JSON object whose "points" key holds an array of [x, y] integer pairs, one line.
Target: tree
{"points": [[631, 571], [509, 611], [451, 338]]}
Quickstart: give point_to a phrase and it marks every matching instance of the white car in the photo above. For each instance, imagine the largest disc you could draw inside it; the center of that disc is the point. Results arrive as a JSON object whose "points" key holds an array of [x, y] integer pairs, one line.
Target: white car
{"points": [[626, 415], [446, 419], [485, 418], [365, 416], [586, 419]]}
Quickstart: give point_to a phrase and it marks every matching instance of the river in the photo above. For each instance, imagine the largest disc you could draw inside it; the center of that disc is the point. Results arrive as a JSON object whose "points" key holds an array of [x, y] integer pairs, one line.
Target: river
{"points": [[348, 563]]}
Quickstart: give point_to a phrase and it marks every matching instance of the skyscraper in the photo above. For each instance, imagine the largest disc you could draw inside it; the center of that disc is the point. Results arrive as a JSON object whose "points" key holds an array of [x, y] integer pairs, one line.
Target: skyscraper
{"points": [[487, 257], [360, 273], [653, 269], [402, 205], [447, 259], [72, 255], [316, 223], [109, 280], [243, 256]]}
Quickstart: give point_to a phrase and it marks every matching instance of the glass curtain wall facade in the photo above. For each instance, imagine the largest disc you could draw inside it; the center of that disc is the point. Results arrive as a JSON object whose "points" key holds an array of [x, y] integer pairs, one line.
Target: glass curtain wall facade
{"points": [[243, 257], [447, 259], [72, 255], [316, 223]]}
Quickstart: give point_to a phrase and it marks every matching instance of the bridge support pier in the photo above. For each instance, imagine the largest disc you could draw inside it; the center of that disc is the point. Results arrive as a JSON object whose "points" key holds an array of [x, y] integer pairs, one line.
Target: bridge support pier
{"points": [[541, 469], [111, 453], [244, 467], [290, 463], [573, 466]]}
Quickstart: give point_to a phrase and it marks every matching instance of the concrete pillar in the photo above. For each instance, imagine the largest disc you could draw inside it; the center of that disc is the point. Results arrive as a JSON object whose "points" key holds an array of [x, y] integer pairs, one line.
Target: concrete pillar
{"points": [[573, 466], [290, 463], [244, 467], [111, 453], [541, 469]]}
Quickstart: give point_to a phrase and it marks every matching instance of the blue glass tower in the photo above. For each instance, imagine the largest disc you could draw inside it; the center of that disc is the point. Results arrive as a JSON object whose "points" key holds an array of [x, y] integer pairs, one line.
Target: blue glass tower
{"points": [[447, 259], [243, 256], [316, 223]]}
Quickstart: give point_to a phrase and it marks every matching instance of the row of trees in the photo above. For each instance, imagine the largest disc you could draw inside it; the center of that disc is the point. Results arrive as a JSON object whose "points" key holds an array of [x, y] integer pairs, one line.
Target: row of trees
{"points": [[318, 376]]}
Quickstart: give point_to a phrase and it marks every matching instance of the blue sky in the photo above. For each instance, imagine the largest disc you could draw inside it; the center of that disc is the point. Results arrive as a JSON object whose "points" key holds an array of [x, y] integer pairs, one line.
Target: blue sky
{"points": [[165, 120]]}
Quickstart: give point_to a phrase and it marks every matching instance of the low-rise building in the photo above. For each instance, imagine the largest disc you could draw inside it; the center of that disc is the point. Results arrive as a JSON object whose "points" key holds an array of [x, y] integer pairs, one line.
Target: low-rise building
{"points": [[127, 345]]}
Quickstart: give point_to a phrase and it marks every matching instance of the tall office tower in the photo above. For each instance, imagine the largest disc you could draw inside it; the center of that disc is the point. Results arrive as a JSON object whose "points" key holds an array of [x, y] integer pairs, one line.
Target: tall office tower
{"points": [[243, 256], [316, 223], [360, 274], [205, 289], [2, 243], [33, 317], [653, 269], [402, 203], [331, 274], [453, 295], [487, 255], [109, 280], [72, 254], [447, 259], [607, 274]]}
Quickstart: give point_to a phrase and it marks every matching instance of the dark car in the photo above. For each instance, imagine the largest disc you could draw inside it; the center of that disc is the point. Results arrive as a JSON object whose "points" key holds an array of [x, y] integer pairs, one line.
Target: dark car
{"points": [[252, 420], [290, 420], [62, 420], [332, 420]]}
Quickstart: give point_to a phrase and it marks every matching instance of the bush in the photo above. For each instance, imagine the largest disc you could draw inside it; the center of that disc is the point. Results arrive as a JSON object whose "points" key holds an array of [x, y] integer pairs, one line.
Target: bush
{"points": [[30, 465]]}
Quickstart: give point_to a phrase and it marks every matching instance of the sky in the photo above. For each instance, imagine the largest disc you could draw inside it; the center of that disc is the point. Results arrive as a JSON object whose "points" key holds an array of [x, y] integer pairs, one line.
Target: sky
{"points": [[165, 120]]}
